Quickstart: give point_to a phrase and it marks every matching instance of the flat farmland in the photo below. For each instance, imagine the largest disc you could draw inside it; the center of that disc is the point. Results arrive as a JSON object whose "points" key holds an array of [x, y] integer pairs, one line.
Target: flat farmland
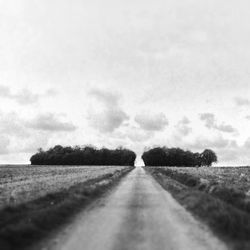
{"points": [[234, 177], [23, 183]]}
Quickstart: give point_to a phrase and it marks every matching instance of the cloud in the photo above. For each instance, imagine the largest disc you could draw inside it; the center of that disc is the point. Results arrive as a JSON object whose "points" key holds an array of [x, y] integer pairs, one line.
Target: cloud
{"points": [[20, 135], [228, 151], [211, 123], [12, 125], [4, 143], [38, 140], [226, 128], [24, 96], [51, 122], [209, 119], [183, 127], [15, 134], [219, 144], [107, 98], [242, 101], [136, 134], [153, 122], [110, 116], [200, 143], [108, 120], [4, 91]]}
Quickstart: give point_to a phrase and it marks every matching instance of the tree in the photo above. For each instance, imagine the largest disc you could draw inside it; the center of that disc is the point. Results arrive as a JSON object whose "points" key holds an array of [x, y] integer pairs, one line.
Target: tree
{"points": [[177, 157], [154, 157], [87, 155], [208, 156]]}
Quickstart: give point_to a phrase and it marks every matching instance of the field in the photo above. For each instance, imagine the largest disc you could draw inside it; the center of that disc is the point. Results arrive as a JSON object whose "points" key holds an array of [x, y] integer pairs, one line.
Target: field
{"points": [[234, 177], [19, 184], [220, 197], [37, 200]]}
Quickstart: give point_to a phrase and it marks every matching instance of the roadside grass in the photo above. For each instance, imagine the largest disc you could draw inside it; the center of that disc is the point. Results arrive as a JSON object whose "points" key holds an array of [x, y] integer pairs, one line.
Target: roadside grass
{"points": [[230, 223], [233, 196], [23, 225]]}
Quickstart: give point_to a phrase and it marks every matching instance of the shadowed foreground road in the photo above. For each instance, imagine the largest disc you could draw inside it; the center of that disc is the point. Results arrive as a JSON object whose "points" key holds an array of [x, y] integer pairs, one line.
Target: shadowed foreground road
{"points": [[139, 214]]}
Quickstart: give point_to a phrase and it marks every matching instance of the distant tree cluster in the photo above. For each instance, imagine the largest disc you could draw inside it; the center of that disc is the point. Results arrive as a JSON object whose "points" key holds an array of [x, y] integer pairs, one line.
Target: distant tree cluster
{"points": [[88, 155], [162, 156]]}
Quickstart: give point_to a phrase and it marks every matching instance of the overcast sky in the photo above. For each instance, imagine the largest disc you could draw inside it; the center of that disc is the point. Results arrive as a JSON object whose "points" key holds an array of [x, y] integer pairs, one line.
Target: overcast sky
{"points": [[136, 73]]}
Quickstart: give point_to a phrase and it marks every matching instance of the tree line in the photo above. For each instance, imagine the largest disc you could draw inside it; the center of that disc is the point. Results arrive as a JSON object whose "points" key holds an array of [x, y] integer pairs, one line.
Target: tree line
{"points": [[87, 155], [163, 156]]}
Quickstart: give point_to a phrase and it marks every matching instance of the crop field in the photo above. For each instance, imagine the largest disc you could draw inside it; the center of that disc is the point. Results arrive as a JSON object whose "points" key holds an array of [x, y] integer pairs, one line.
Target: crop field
{"points": [[219, 196], [37, 200], [233, 177], [19, 184]]}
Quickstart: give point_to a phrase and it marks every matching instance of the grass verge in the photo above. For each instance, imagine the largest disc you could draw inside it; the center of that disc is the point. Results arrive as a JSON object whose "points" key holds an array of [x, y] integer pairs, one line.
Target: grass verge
{"points": [[231, 224], [23, 225], [227, 194]]}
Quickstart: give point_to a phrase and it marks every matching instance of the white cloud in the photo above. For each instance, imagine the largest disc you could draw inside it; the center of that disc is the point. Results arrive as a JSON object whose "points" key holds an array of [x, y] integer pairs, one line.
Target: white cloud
{"points": [[12, 125], [24, 96], [51, 122], [136, 134], [110, 116], [4, 144], [211, 123], [152, 122], [108, 120], [22, 137], [240, 101], [209, 119], [183, 127], [106, 97], [200, 143]]}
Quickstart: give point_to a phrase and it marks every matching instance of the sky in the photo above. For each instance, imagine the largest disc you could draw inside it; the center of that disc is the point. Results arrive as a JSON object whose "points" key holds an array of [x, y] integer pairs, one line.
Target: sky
{"points": [[134, 73]]}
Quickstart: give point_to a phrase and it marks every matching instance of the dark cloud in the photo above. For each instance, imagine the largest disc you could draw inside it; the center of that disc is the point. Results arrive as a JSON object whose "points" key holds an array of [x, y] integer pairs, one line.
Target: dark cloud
{"points": [[211, 123], [153, 122], [24, 96], [242, 101], [51, 122]]}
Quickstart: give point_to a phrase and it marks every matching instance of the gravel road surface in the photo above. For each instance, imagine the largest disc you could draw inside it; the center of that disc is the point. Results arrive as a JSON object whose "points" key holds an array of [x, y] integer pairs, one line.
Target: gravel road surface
{"points": [[137, 214]]}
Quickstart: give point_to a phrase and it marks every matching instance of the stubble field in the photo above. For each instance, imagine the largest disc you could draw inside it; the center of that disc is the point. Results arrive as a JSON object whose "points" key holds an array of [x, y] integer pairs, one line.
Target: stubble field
{"points": [[23, 183], [233, 177]]}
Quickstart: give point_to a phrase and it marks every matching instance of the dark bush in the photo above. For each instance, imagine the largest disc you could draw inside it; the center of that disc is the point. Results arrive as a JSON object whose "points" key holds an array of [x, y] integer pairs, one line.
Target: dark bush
{"points": [[88, 155], [178, 157]]}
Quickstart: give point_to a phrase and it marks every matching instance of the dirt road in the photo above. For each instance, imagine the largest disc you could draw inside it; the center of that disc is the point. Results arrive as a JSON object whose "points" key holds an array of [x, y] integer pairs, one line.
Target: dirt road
{"points": [[139, 214]]}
